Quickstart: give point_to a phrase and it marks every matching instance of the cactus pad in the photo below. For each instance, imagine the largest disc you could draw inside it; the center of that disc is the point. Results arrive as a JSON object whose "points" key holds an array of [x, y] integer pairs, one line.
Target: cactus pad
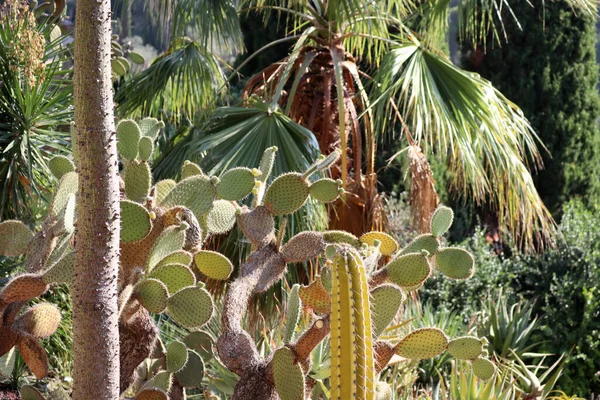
{"points": [[213, 264], [422, 242], [286, 194], [9, 339], [62, 270], [441, 220], [135, 221], [221, 217], [177, 356], [315, 297], [196, 193], [163, 188], [23, 287], [34, 355], [388, 244], [256, 225], [169, 241], [178, 257], [303, 247], [292, 314], [201, 342], [466, 347], [128, 135], [28, 392], [162, 380], [174, 276], [60, 165], [325, 190], [409, 270], [191, 307], [190, 169], [152, 294], [288, 375], [455, 263], [483, 368], [385, 303], [67, 217], [138, 180], [235, 184], [150, 126], [146, 148], [266, 163], [341, 237], [14, 238], [383, 391], [39, 321], [422, 343], [152, 394], [66, 186], [192, 373]]}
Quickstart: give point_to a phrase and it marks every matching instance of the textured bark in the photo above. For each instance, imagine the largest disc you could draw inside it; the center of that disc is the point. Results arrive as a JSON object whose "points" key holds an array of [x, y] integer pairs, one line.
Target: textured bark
{"points": [[95, 313]]}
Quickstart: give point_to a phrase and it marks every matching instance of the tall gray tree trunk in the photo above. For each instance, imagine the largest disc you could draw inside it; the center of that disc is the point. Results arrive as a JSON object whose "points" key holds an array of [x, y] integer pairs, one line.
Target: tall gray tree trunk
{"points": [[95, 323]]}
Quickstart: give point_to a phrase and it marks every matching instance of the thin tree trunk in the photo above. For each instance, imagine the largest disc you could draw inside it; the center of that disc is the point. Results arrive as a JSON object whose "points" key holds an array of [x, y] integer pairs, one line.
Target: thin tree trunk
{"points": [[95, 322]]}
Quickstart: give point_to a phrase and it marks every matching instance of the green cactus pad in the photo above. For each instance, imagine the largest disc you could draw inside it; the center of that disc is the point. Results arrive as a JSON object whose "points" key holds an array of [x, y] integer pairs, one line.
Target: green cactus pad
{"points": [[235, 184], [178, 257], [288, 375], [266, 163], [196, 193], [152, 394], [384, 391], [466, 347], [23, 287], [174, 276], [341, 237], [150, 127], [177, 356], [191, 307], [128, 136], [39, 321], [152, 294], [62, 245], [146, 148], [67, 217], [422, 343], [125, 62], [409, 270], [441, 220], [292, 314], [34, 355], [62, 270], [388, 244], [287, 194], [138, 180], [422, 242], [135, 221], [483, 368], [66, 186], [385, 303], [14, 238], [213, 264], [325, 190], [163, 188], [169, 241], [221, 217], [303, 247], [315, 297], [162, 380], [190, 169], [326, 278], [191, 375], [201, 342], [136, 58], [118, 68], [28, 392], [455, 263], [60, 165]]}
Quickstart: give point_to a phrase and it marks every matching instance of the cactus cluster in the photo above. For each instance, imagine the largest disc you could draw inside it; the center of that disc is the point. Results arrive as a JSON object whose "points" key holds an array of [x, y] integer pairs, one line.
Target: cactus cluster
{"points": [[163, 268]]}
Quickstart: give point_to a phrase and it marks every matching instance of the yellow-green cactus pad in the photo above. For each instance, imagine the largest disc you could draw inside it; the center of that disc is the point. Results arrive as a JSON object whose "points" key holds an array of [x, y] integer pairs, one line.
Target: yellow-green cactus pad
{"points": [[62, 270], [341, 237], [146, 148], [201, 342], [441, 220], [150, 126], [315, 297], [383, 391], [138, 180], [326, 278], [118, 68], [67, 217], [162, 380], [413, 288], [388, 244], [128, 136], [422, 343], [483, 368], [152, 294], [135, 221], [169, 241], [385, 303], [39, 321], [23, 287], [292, 314], [136, 57], [286, 194], [28, 392], [178, 257], [196, 193], [174, 276], [191, 307], [288, 375], [409, 270], [213, 264], [325, 190], [190, 169], [177, 356], [14, 238], [191, 375], [422, 242], [60, 165], [221, 217], [466, 347], [303, 247], [163, 188], [152, 394], [266, 163], [235, 184], [66, 186], [455, 263]]}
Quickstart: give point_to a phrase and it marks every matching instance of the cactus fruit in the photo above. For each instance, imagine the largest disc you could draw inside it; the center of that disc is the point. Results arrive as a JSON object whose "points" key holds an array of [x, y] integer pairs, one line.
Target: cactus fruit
{"points": [[191, 307], [22, 288], [287, 194], [409, 270], [174, 276], [152, 294], [163, 188], [221, 217], [66, 186], [190, 376], [60, 165], [190, 169], [138, 180], [341, 237], [169, 241], [146, 148], [483, 368], [177, 356], [28, 392], [196, 193], [213, 264], [61, 271], [385, 303], [422, 343], [39, 321], [152, 394], [34, 355], [292, 314], [14, 238], [135, 221], [236, 184], [315, 297], [466, 347], [303, 247], [388, 244], [325, 190], [288, 375], [201, 342], [177, 257], [441, 220], [455, 263]]}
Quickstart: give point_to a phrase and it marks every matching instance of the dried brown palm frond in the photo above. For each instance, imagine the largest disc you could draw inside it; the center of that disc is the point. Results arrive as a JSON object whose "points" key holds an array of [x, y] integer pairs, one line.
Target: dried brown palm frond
{"points": [[423, 196]]}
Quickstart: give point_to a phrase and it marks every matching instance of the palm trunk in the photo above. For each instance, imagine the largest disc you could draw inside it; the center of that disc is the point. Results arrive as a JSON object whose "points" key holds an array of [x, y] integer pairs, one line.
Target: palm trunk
{"points": [[95, 330]]}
